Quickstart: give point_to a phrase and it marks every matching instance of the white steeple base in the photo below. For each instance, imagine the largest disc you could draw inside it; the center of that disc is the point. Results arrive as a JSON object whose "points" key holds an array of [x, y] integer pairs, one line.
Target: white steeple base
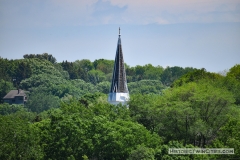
{"points": [[116, 98]]}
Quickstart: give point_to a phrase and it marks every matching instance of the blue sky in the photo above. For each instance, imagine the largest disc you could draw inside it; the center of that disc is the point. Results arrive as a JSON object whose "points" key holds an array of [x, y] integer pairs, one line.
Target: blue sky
{"points": [[186, 33]]}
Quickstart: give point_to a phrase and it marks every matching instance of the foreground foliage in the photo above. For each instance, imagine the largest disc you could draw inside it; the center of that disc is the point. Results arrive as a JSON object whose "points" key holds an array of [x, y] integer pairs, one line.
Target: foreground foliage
{"points": [[67, 115]]}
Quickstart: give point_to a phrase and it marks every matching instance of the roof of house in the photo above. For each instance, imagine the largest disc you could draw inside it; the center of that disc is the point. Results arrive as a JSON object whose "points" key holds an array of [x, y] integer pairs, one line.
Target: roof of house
{"points": [[14, 93]]}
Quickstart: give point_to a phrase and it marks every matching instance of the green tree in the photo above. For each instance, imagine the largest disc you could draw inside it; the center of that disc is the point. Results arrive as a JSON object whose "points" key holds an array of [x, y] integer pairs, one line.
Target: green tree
{"points": [[232, 82], [39, 101], [142, 153], [42, 66], [6, 109], [143, 109], [170, 74], [139, 71], [96, 76], [80, 87], [197, 75], [22, 71], [96, 130], [5, 87], [5, 69], [116, 140], [60, 69], [57, 86], [106, 66], [41, 80], [64, 137], [153, 73], [229, 82], [192, 113], [44, 56], [234, 72], [130, 73], [84, 64], [104, 87], [146, 87], [229, 136], [19, 139], [205, 108], [14, 70], [74, 73]]}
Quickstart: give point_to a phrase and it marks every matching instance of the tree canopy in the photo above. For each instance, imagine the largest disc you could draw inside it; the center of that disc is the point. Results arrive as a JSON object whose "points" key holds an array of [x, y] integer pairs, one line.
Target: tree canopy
{"points": [[67, 115]]}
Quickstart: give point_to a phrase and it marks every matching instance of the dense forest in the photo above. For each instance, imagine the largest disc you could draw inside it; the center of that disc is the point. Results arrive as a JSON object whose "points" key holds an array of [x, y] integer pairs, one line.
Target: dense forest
{"points": [[67, 115]]}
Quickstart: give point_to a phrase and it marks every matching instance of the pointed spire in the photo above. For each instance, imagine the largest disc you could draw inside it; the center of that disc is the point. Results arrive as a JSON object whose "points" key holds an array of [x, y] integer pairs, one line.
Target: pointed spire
{"points": [[119, 90], [119, 81], [119, 38]]}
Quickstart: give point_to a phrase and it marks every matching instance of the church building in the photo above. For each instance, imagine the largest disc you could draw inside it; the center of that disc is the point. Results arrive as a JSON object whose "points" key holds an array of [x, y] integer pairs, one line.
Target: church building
{"points": [[119, 90]]}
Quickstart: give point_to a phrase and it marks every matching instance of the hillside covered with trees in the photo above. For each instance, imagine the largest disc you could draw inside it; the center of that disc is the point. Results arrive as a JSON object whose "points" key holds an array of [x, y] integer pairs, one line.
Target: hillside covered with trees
{"points": [[67, 115]]}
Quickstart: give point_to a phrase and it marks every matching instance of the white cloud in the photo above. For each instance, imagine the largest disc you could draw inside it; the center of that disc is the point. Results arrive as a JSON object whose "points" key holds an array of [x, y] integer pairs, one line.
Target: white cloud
{"points": [[176, 11], [87, 12]]}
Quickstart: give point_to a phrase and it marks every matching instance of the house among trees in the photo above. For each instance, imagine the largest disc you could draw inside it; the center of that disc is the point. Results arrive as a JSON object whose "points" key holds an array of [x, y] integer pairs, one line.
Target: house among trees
{"points": [[15, 97]]}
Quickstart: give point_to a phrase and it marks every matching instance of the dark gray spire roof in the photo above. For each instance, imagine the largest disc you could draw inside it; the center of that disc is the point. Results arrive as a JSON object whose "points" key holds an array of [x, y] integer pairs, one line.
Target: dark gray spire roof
{"points": [[119, 81]]}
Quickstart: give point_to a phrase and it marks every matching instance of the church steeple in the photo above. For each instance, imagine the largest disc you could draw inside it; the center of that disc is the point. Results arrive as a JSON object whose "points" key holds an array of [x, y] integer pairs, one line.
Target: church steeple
{"points": [[119, 90]]}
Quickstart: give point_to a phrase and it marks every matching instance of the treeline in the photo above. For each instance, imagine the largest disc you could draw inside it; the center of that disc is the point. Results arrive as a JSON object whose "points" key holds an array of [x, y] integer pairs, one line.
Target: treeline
{"points": [[67, 115], [41, 74], [101, 70]]}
